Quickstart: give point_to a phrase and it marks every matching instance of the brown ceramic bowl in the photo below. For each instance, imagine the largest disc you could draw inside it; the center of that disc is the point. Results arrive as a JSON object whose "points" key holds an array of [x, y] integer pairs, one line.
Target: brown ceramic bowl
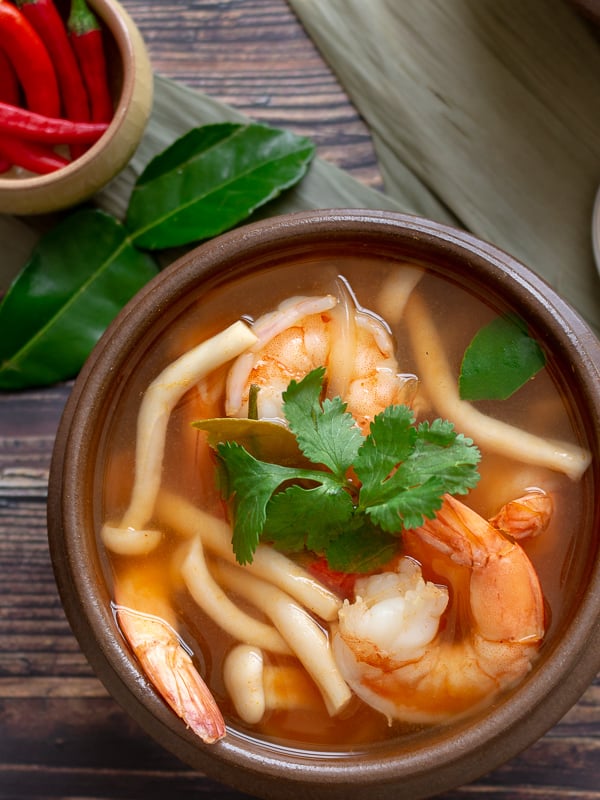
{"points": [[130, 76], [426, 763]]}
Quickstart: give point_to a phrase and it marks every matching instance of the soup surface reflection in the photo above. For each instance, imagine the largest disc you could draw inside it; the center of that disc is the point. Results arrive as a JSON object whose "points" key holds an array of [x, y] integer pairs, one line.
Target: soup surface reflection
{"points": [[456, 613]]}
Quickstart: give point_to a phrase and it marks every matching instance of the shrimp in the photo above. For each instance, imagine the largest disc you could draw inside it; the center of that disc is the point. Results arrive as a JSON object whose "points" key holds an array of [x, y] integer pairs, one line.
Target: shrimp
{"points": [[526, 516], [303, 333], [146, 620], [423, 652]]}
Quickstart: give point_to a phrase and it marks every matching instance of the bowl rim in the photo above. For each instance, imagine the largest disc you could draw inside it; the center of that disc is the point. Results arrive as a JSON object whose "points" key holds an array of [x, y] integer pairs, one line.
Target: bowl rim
{"points": [[596, 230], [476, 747]]}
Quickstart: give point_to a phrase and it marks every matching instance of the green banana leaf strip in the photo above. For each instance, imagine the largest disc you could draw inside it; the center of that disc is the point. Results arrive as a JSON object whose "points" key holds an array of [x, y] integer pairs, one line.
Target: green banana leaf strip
{"points": [[501, 358], [79, 276], [211, 179]]}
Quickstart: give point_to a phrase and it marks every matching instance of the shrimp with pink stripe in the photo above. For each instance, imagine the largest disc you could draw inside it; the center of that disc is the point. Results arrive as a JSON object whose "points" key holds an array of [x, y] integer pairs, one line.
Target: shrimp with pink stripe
{"points": [[425, 644]]}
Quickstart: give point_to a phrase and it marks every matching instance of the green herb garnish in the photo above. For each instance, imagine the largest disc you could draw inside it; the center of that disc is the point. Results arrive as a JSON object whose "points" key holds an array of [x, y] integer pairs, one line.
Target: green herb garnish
{"points": [[212, 178], [83, 271], [501, 358], [360, 493]]}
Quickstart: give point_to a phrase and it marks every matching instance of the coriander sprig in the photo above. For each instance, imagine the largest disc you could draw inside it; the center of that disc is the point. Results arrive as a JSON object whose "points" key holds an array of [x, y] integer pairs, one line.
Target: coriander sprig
{"points": [[362, 491]]}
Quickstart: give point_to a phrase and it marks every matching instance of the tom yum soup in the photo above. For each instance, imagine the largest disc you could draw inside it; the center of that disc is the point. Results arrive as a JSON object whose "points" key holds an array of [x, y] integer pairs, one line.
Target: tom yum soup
{"points": [[339, 500]]}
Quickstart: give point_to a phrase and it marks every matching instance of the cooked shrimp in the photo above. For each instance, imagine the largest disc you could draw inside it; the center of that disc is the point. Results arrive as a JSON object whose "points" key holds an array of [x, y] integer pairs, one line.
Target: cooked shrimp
{"points": [[420, 652], [146, 621], [285, 349], [525, 517], [304, 333]]}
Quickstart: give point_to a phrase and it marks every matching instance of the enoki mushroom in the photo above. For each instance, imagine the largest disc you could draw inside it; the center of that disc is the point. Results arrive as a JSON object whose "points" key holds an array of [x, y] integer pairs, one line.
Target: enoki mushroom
{"points": [[211, 598], [304, 635], [187, 521], [256, 687], [129, 537], [442, 388]]}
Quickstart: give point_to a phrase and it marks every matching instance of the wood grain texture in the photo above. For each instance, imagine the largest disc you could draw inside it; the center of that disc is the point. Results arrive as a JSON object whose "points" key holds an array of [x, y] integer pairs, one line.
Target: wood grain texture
{"points": [[254, 55], [61, 735]]}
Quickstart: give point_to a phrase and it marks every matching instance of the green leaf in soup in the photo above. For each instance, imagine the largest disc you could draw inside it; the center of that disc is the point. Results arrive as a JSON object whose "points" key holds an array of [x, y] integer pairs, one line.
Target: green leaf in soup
{"points": [[78, 277], [501, 358], [211, 179], [361, 547], [310, 517], [267, 441]]}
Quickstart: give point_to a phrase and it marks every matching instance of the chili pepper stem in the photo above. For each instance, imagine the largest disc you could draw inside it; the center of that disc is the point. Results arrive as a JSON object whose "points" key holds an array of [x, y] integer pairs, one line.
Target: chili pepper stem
{"points": [[86, 37]]}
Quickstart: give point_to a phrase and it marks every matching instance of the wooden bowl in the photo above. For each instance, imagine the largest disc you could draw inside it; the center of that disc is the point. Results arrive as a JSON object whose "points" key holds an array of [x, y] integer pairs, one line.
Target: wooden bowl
{"points": [[130, 76], [426, 762]]}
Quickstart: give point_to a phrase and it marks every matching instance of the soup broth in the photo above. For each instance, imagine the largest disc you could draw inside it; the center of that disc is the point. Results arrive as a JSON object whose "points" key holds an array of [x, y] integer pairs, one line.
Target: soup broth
{"points": [[187, 472]]}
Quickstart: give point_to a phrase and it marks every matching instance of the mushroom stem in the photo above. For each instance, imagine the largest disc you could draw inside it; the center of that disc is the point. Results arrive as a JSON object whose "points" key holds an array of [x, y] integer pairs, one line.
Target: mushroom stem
{"points": [[187, 520], [160, 398], [396, 290], [243, 676], [211, 598], [442, 388], [306, 638], [255, 687]]}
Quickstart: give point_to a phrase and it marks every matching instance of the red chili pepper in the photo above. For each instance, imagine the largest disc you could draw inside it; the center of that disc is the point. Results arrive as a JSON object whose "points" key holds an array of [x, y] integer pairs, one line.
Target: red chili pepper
{"points": [[86, 36], [46, 20], [32, 156], [9, 93], [27, 125], [340, 582], [9, 85], [31, 61]]}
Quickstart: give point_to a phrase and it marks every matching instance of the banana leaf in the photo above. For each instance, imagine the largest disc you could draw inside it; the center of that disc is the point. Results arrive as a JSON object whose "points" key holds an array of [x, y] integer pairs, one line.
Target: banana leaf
{"points": [[176, 110], [484, 114]]}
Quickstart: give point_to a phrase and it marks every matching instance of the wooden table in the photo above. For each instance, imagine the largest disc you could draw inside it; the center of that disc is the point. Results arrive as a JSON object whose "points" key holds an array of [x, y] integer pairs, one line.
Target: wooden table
{"points": [[61, 735]]}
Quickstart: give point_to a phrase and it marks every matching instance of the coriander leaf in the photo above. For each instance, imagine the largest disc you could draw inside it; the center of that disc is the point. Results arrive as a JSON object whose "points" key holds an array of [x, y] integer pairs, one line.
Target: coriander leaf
{"points": [[440, 432], [390, 441], [249, 484], [298, 517], [442, 453], [361, 548], [409, 507], [326, 432], [404, 472], [501, 358]]}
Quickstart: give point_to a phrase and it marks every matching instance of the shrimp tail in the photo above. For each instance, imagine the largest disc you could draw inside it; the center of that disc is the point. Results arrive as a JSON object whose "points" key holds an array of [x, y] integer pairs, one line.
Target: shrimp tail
{"points": [[525, 517], [505, 595], [172, 672]]}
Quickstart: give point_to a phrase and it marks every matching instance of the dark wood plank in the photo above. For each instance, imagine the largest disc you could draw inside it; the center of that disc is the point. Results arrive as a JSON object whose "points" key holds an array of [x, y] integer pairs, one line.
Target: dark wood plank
{"points": [[255, 56], [61, 735]]}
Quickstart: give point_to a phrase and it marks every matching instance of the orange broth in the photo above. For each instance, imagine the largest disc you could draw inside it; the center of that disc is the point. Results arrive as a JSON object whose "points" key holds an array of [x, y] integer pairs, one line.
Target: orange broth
{"points": [[540, 407]]}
